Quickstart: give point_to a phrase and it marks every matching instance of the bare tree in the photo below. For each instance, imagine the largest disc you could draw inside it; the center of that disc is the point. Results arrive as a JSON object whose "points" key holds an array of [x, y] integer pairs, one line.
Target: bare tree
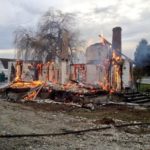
{"points": [[56, 35]]}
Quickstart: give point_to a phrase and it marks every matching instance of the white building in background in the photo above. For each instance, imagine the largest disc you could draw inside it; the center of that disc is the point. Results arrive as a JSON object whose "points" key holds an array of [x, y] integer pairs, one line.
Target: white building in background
{"points": [[1, 66], [4, 66]]}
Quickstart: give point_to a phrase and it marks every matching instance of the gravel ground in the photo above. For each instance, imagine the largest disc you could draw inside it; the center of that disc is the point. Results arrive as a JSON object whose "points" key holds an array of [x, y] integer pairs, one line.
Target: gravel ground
{"points": [[22, 119]]}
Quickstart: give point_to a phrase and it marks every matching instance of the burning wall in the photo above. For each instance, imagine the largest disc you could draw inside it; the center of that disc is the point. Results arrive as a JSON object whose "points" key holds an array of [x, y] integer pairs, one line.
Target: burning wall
{"points": [[78, 68], [78, 72], [33, 71], [117, 62]]}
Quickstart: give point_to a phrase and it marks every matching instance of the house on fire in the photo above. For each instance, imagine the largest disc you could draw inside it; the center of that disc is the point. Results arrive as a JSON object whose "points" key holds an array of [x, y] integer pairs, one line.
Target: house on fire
{"points": [[103, 64]]}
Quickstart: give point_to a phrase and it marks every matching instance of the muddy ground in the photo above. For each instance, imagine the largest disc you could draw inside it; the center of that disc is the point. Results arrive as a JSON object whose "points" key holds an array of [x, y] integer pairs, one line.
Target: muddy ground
{"points": [[33, 118]]}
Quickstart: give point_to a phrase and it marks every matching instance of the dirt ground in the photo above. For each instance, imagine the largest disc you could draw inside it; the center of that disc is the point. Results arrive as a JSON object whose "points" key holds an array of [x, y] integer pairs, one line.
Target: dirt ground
{"points": [[32, 118]]}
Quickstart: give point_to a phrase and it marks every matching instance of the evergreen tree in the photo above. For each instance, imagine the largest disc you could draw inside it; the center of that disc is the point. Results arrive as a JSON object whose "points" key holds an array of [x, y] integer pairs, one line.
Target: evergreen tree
{"points": [[142, 57]]}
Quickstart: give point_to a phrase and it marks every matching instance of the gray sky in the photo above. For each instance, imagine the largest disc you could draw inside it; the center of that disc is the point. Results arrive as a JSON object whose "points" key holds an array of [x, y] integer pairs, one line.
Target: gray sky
{"points": [[94, 17]]}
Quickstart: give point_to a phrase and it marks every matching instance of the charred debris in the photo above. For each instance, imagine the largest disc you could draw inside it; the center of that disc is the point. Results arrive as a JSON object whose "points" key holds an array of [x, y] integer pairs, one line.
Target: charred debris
{"points": [[72, 94]]}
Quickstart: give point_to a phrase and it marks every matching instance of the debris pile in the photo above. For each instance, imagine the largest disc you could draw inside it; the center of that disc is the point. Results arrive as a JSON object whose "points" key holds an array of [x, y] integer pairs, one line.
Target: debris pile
{"points": [[73, 91]]}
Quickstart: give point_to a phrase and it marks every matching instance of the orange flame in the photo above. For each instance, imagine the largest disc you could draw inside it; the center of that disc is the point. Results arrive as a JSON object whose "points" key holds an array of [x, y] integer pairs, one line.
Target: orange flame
{"points": [[30, 96], [22, 84]]}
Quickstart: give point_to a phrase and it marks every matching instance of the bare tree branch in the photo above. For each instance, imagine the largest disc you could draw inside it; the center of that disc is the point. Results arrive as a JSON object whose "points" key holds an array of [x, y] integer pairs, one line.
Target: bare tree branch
{"points": [[55, 35]]}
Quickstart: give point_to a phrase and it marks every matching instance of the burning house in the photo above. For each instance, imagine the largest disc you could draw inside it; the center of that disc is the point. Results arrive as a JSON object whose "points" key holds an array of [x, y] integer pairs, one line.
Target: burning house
{"points": [[107, 65], [103, 65]]}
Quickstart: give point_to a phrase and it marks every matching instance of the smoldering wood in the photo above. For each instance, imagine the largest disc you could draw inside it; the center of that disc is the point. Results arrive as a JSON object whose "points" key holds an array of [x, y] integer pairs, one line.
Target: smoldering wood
{"points": [[52, 92]]}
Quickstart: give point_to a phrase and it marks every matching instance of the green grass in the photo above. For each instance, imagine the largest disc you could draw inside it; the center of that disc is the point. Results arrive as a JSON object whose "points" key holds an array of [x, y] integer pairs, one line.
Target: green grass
{"points": [[144, 87]]}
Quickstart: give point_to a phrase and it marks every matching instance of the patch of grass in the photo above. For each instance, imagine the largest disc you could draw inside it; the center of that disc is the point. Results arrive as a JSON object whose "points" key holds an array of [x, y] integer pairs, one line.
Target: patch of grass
{"points": [[144, 87]]}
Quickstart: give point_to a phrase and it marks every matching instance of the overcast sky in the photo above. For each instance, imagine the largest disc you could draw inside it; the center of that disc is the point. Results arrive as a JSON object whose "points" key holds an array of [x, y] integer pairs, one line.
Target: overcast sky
{"points": [[94, 17]]}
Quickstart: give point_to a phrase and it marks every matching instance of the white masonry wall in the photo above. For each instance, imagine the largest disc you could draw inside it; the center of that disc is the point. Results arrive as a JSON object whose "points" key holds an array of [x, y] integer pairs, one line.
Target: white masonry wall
{"points": [[126, 76], [97, 56]]}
